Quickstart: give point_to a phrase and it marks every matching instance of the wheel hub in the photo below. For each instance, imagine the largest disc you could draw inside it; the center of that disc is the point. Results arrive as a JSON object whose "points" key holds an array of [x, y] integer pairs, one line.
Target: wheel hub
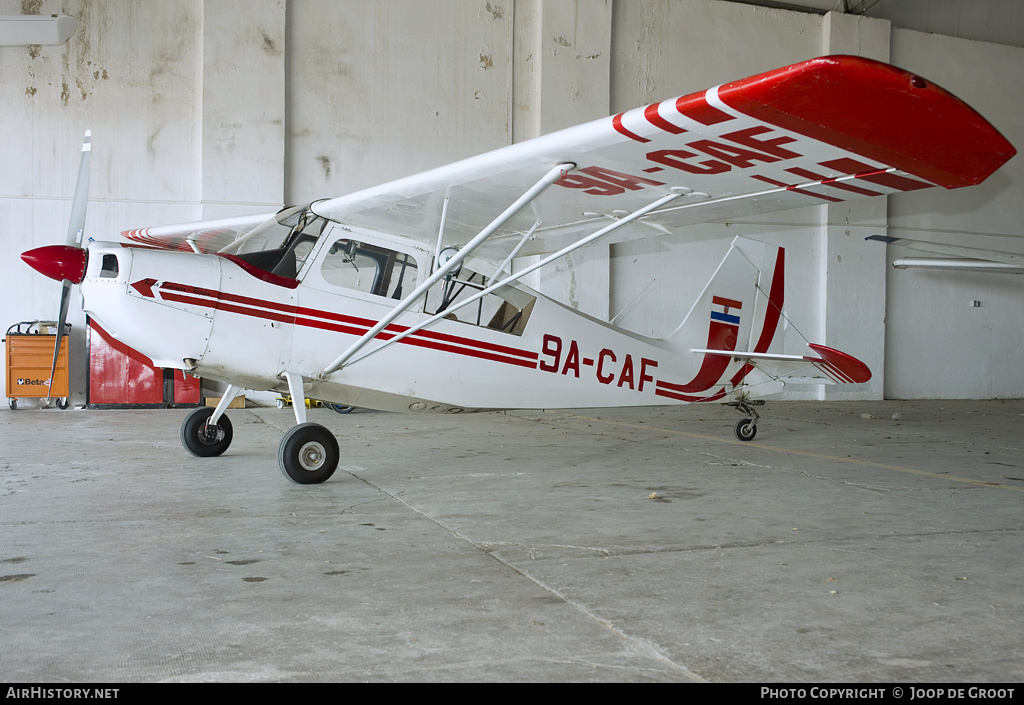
{"points": [[312, 455], [211, 434]]}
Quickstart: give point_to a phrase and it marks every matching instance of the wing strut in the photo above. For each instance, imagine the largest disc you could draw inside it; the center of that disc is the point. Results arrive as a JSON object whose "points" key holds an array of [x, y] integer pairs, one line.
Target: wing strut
{"points": [[509, 213], [677, 192], [440, 230], [514, 252]]}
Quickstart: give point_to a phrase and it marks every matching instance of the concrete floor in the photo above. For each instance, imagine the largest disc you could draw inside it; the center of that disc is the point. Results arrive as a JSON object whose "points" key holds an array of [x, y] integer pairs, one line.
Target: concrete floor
{"points": [[622, 545]]}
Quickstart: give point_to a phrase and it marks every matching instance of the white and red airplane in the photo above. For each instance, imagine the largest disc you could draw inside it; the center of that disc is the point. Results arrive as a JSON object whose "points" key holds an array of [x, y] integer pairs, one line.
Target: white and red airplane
{"points": [[401, 297]]}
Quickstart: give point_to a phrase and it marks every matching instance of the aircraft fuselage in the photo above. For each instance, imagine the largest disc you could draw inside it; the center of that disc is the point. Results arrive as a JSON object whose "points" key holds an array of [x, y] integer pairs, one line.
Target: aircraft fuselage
{"points": [[221, 318]]}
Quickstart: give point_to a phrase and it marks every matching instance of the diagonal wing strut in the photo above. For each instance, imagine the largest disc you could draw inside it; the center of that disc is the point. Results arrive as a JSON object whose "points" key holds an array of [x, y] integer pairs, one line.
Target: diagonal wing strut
{"points": [[677, 192], [509, 213]]}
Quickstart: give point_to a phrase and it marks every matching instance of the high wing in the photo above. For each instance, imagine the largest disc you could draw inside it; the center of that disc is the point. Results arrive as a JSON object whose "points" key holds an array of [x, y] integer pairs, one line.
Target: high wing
{"points": [[965, 257], [827, 130], [823, 131], [202, 236]]}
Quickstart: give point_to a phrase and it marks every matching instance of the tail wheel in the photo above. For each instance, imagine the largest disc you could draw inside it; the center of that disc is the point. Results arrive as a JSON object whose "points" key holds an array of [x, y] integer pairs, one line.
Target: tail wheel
{"points": [[745, 429], [203, 440], [308, 454]]}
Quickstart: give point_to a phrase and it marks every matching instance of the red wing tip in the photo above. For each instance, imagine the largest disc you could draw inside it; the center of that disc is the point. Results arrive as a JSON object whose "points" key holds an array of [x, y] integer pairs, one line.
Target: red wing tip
{"points": [[852, 370], [879, 111]]}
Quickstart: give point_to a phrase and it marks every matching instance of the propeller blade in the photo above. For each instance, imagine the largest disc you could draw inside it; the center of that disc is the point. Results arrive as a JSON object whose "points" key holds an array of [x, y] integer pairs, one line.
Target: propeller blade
{"points": [[76, 226], [65, 299], [76, 229]]}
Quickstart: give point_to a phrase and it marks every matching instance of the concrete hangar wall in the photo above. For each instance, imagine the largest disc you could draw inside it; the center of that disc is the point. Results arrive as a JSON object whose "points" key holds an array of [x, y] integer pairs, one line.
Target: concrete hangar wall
{"points": [[205, 109]]}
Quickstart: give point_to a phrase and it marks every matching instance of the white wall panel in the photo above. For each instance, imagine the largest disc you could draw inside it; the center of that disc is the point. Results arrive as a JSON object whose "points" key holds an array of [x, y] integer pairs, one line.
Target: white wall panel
{"points": [[938, 344], [563, 56], [243, 107], [128, 74], [377, 91]]}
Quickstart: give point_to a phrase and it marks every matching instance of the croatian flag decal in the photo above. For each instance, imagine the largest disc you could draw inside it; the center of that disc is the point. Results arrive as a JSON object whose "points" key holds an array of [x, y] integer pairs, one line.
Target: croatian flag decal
{"points": [[725, 310]]}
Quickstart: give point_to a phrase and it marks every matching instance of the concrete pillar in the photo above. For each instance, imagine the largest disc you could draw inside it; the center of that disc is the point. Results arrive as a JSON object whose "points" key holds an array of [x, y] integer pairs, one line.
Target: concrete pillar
{"points": [[853, 272], [562, 54], [243, 101]]}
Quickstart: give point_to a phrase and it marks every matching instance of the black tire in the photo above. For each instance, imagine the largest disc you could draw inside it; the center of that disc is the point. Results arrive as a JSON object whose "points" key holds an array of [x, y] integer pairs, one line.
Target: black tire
{"points": [[13, 403], [308, 454], [341, 408], [745, 429], [203, 442], [62, 403]]}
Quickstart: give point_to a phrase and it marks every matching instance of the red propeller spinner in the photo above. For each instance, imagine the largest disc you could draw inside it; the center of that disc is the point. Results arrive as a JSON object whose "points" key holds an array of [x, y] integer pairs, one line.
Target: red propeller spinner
{"points": [[58, 262]]}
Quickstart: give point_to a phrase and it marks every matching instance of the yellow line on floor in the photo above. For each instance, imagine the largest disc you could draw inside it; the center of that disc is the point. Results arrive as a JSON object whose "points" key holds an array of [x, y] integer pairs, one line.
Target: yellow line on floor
{"points": [[807, 454]]}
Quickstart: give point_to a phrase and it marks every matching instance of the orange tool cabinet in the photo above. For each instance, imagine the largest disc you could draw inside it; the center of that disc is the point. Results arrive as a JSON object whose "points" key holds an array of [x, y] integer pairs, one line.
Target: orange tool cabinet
{"points": [[28, 348]]}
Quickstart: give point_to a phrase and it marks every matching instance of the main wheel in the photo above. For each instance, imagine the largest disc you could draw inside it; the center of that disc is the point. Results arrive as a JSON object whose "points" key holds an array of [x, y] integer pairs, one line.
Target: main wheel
{"points": [[308, 454], [745, 429], [202, 440]]}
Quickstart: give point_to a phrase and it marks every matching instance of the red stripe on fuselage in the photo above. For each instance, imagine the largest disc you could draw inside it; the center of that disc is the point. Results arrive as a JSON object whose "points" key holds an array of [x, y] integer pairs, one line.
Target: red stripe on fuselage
{"points": [[340, 323], [663, 390], [222, 306], [721, 336]]}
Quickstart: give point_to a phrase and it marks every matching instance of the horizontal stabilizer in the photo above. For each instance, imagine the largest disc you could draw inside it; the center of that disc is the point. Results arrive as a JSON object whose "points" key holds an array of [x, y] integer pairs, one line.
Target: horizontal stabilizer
{"points": [[830, 365]]}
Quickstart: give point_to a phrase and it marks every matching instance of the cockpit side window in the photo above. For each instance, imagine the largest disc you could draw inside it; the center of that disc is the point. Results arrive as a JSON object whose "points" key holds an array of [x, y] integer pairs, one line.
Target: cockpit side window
{"points": [[369, 268]]}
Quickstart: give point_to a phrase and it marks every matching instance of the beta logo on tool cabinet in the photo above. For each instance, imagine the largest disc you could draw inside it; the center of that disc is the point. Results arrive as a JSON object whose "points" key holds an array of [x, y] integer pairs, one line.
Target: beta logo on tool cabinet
{"points": [[23, 382]]}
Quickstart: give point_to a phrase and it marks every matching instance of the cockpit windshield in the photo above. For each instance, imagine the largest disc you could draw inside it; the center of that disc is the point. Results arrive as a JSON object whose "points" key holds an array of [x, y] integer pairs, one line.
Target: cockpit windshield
{"points": [[282, 244]]}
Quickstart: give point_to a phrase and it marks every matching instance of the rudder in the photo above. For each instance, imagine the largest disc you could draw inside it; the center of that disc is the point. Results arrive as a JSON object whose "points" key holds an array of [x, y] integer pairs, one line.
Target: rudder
{"points": [[739, 310]]}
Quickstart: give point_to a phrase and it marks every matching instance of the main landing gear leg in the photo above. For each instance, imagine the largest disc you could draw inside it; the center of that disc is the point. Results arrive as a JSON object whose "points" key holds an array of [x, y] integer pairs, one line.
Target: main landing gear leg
{"points": [[746, 428], [308, 453], [205, 433]]}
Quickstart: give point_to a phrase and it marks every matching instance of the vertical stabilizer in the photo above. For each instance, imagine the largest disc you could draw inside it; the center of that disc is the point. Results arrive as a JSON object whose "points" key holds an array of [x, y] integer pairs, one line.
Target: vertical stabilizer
{"points": [[739, 310]]}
